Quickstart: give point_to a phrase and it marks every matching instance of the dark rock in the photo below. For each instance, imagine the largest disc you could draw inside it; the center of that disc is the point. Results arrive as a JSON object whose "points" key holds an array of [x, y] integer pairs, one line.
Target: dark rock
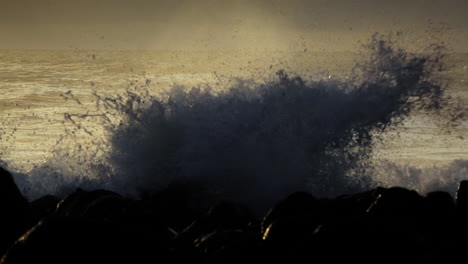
{"points": [[462, 199], [175, 225], [296, 205], [397, 201], [343, 240], [439, 204], [15, 211], [179, 204], [224, 216], [77, 203], [44, 207], [352, 205], [113, 208], [66, 240], [288, 227], [229, 246]]}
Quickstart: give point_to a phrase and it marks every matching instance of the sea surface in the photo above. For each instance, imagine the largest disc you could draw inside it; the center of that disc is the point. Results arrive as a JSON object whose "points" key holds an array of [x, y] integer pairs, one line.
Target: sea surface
{"points": [[41, 89], [33, 84]]}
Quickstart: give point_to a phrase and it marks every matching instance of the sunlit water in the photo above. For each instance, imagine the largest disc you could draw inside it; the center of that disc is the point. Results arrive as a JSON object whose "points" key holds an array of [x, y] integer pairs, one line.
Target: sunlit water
{"points": [[38, 87], [32, 84]]}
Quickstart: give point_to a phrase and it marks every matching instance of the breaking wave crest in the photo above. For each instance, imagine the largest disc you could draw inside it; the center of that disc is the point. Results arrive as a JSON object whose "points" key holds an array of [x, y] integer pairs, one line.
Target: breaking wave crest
{"points": [[254, 141]]}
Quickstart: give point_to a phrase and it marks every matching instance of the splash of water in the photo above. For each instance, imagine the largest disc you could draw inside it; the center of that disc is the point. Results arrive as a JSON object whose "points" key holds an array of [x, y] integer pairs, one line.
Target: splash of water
{"points": [[423, 180], [253, 142]]}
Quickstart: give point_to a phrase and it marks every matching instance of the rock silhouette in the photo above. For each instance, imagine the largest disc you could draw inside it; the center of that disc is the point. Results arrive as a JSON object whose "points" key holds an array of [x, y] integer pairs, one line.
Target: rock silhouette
{"points": [[16, 211], [383, 225]]}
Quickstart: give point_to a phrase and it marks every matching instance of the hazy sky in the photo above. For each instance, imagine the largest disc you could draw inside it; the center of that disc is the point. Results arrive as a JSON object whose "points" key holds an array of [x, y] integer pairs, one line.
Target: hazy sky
{"points": [[199, 24]]}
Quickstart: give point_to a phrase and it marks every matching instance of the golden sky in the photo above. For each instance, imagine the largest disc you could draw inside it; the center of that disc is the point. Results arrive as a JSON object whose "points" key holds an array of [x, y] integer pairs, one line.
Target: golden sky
{"points": [[221, 24]]}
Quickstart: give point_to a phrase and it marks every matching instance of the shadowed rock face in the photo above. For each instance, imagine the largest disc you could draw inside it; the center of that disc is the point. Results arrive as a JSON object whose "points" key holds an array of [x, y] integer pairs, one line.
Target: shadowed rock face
{"points": [[397, 201], [44, 207], [439, 204], [92, 227], [101, 226], [15, 211], [462, 199], [65, 240]]}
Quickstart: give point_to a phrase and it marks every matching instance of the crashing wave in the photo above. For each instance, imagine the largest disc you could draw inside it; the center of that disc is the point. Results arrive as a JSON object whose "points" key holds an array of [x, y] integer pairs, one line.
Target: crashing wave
{"points": [[253, 141]]}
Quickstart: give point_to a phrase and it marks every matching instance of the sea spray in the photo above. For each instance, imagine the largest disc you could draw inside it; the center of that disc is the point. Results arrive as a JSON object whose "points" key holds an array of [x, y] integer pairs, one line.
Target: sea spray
{"points": [[253, 141], [421, 179]]}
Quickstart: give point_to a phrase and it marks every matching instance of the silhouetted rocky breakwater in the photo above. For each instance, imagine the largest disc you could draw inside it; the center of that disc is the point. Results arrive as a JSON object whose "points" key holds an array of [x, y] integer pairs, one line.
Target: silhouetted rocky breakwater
{"points": [[383, 225]]}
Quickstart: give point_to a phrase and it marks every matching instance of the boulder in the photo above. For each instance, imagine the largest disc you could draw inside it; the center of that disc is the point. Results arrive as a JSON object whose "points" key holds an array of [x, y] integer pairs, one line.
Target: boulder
{"points": [[15, 211]]}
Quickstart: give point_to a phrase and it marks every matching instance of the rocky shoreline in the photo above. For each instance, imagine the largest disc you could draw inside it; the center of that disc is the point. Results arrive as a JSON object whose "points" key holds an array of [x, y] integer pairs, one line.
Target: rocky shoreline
{"points": [[383, 225]]}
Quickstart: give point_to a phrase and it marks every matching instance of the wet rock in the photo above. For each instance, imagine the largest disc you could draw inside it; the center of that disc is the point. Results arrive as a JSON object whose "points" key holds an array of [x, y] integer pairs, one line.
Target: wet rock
{"points": [[439, 220], [344, 240], [462, 199], [461, 208], [296, 205], [289, 226], [15, 211], [179, 204], [101, 226], [113, 208], [224, 216], [77, 203], [229, 246], [439, 204], [44, 207], [66, 240], [351, 205], [107, 207], [397, 201]]}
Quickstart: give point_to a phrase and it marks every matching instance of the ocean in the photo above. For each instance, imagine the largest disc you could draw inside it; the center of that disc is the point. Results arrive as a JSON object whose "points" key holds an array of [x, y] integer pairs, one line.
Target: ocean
{"points": [[33, 82], [130, 120]]}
